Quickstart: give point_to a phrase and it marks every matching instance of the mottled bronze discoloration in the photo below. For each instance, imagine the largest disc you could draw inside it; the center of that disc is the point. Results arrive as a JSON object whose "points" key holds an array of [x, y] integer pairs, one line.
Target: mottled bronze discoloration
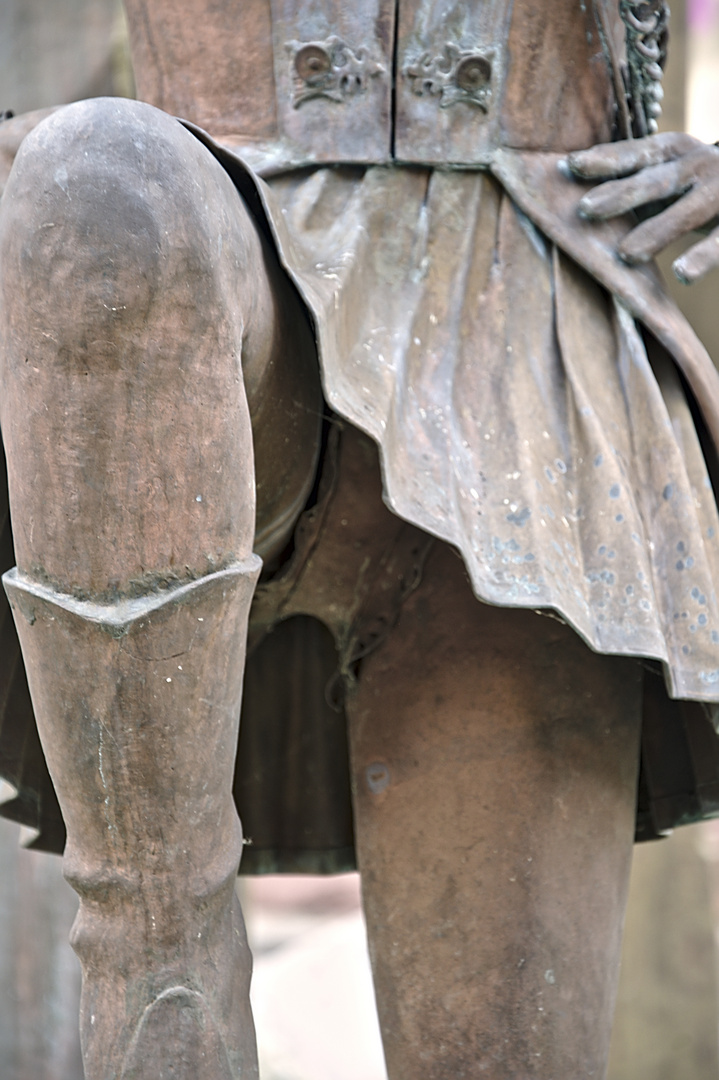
{"points": [[510, 758], [134, 301], [138, 712], [164, 318]]}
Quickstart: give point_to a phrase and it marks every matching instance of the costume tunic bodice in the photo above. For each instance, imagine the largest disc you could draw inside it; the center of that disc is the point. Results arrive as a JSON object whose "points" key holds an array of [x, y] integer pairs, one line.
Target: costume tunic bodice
{"points": [[297, 82]]}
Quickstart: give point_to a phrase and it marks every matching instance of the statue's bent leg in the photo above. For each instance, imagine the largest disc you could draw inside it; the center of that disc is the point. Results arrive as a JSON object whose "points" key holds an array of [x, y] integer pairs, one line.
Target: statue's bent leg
{"points": [[495, 761], [133, 284]]}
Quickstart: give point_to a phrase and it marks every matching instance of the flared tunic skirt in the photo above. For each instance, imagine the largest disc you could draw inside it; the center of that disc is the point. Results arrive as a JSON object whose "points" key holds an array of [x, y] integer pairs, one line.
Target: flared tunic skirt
{"points": [[535, 404], [523, 414]]}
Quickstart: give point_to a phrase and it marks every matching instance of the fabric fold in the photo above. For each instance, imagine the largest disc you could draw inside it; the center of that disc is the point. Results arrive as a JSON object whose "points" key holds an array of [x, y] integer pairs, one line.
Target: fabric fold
{"points": [[488, 339]]}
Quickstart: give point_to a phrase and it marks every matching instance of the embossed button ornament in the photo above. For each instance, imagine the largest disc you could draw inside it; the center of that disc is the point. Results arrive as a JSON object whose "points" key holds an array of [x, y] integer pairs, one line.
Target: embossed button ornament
{"points": [[454, 76], [312, 63], [330, 69], [473, 73]]}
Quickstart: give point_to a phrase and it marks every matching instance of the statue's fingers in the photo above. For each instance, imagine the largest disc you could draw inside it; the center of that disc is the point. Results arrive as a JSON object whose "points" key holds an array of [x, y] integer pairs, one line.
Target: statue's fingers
{"points": [[699, 259], [643, 242], [618, 196], [623, 158]]}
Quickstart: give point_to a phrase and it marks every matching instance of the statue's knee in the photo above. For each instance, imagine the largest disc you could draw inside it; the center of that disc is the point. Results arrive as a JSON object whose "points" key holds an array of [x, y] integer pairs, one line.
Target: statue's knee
{"points": [[105, 212]]}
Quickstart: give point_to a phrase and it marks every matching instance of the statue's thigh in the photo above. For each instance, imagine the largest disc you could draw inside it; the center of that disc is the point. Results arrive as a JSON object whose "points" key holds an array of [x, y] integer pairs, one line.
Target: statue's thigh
{"points": [[495, 762], [140, 310]]}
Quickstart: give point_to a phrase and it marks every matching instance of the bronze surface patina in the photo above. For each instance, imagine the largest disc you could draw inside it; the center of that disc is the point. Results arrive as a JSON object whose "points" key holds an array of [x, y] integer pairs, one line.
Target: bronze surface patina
{"points": [[359, 385]]}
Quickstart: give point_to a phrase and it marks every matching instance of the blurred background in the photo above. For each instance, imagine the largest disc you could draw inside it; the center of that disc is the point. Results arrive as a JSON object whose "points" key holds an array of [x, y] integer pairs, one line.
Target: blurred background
{"points": [[312, 990]]}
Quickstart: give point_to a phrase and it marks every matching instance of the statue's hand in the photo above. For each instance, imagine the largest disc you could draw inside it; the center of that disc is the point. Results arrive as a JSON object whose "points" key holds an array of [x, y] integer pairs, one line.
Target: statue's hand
{"points": [[674, 178]]}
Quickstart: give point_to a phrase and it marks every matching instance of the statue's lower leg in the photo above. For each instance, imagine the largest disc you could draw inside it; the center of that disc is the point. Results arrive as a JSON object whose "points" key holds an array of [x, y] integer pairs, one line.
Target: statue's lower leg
{"points": [[132, 285], [495, 762], [138, 701]]}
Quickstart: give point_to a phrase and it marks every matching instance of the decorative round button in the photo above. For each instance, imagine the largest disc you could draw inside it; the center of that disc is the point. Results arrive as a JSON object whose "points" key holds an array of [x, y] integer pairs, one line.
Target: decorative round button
{"points": [[312, 63], [473, 72]]}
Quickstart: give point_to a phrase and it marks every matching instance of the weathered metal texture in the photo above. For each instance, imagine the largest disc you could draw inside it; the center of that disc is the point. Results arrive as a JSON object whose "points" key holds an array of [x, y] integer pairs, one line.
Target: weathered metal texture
{"points": [[208, 61], [521, 418], [134, 630], [344, 235], [494, 794], [131, 311], [440, 308], [451, 70], [291, 84], [291, 784], [334, 602], [472, 77], [537, 184], [114, 349], [542, 111], [647, 35], [333, 77], [344, 216], [138, 708], [457, 336]]}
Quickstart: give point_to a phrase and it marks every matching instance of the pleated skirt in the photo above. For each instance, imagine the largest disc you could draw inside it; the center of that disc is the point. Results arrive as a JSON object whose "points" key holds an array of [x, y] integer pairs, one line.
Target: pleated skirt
{"points": [[521, 412]]}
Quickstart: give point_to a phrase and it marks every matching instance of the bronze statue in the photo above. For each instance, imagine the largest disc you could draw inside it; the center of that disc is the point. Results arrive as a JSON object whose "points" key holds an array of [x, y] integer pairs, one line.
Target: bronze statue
{"points": [[383, 292]]}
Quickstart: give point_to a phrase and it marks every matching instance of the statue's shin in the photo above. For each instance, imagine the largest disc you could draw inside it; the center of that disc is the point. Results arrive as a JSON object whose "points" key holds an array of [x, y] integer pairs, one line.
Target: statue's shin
{"points": [[137, 703]]}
